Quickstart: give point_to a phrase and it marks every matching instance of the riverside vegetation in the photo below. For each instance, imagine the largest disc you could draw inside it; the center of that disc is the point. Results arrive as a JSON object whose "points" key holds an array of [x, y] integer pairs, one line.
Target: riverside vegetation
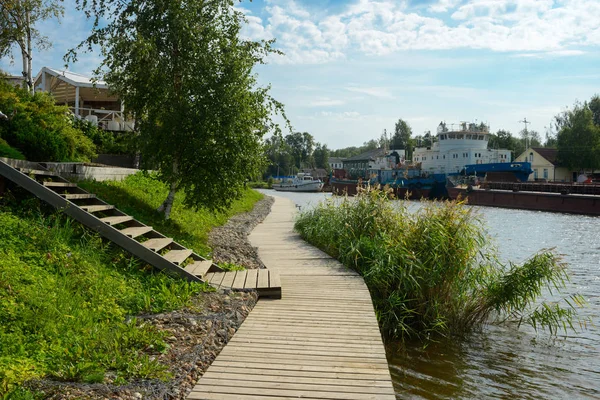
{"points": [[434, 273], [68, 299]]}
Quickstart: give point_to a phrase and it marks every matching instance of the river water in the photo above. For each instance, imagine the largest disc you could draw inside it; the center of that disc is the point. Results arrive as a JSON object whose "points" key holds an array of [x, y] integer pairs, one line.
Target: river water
{"points": [[503, 361]]}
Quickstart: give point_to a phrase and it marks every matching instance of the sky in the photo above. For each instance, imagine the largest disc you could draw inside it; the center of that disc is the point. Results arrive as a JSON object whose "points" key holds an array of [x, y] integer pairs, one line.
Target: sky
{"points": [[352, 68]]}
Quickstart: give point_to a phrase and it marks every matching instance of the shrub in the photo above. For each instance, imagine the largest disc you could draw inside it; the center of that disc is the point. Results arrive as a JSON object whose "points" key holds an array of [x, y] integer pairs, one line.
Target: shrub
{"points": [[434, 272], [39, 129], [107, 142], [7, 151]]}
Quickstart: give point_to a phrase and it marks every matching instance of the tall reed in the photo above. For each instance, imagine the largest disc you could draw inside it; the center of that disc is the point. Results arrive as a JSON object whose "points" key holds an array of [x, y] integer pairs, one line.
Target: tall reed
{"points": [[434, 272]]}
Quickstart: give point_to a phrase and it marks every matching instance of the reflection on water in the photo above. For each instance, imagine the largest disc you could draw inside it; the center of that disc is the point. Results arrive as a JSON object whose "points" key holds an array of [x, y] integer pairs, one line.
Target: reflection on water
{"points": [[501, 361]]}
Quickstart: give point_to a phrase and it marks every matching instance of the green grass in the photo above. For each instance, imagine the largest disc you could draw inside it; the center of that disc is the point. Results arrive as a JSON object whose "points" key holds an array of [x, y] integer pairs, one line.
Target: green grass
{"points": [[434, 273], [68, 299], [141, 194]]}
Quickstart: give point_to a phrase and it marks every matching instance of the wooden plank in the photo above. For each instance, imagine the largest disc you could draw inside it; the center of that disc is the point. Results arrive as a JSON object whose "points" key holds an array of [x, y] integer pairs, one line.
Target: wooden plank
{"points": [[178, 256], [274, 280], [96, 208], [116, 220], [251, 279], [314, 386], [263, 278], [240, 279], [30, 171], [295, 379], [215, 278], [136, 231], [314, 368], [269, 371], [59, 184], [228, 279], [270, 391], [157, 244], [78, 196], [199, 268]]}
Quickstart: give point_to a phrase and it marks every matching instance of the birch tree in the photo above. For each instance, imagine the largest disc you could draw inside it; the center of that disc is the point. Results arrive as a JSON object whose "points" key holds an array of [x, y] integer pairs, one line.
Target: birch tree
{"points": [[185, 74], [17, 29]]}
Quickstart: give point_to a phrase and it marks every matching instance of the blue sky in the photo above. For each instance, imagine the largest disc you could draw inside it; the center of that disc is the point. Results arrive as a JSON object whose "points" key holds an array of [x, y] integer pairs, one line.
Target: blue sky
{"points": [[352, 68]]}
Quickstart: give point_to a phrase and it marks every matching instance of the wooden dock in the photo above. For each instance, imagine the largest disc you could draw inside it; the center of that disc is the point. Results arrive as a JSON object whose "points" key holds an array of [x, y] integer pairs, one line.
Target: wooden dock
{"points": [[320, 341]]}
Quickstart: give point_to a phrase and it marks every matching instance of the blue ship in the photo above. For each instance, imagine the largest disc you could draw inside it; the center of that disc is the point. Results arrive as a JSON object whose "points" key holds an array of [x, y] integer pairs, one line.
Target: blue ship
{"points": [[520, 170]]}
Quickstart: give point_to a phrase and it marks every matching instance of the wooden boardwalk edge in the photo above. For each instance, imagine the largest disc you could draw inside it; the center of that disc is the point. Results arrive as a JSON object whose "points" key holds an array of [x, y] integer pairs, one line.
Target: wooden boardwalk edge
{"points": [[320, 341]]}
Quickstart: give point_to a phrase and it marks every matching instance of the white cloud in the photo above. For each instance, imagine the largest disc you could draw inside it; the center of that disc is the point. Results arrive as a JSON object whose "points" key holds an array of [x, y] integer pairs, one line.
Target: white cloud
{"points": [[325, 102], [443, 6], [379, 92], [380, 27]]}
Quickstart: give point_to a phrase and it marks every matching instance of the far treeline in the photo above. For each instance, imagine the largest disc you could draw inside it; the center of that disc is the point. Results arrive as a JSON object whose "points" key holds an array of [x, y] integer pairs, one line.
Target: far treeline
{"points": [[575, 133]]}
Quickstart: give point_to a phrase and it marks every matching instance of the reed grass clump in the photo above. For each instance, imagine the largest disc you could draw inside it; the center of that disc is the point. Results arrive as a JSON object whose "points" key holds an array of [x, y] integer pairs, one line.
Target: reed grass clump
{"points": [[434, 272]]}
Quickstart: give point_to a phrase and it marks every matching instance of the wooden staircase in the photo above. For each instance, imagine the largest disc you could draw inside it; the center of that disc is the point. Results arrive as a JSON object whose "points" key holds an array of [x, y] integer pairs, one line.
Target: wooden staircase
{"points": [[125, 231]]}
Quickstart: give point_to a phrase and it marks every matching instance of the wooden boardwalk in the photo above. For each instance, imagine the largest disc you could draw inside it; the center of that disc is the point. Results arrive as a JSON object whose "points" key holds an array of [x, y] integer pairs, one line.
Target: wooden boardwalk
{"points": [[320, 341]]}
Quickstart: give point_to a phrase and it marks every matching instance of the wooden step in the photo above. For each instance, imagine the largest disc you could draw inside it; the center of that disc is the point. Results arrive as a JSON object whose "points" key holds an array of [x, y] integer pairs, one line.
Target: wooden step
{"points": [[157, 244], [199, 268], [29, 171], [136, 231], [266, 282], [178, 256], [116, 220], [59, 184], [78, 196], [96, 208]]}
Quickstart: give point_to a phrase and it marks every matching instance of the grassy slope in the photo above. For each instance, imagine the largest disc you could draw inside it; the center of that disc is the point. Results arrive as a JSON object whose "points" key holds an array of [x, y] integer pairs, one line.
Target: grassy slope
{"points": [[141, 194], [65, 294]]}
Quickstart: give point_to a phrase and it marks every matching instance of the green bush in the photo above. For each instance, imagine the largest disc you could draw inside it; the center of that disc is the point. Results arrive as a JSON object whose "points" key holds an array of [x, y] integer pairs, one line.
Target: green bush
{"points": [[107, 142], [40, 129], [7, 151], [433, 273]]}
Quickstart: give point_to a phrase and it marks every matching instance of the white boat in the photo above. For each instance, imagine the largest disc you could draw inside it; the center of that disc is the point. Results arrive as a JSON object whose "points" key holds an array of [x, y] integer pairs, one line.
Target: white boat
{"points": [[300, 183]]}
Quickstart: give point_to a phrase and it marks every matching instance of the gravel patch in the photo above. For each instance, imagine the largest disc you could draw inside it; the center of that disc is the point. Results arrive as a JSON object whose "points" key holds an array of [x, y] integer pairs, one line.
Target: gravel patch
{"points": [[230, 241]]}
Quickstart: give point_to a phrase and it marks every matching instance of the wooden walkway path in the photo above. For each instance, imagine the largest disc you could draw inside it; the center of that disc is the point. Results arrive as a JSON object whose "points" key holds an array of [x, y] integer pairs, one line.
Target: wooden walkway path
{"points": [[320, 341]]}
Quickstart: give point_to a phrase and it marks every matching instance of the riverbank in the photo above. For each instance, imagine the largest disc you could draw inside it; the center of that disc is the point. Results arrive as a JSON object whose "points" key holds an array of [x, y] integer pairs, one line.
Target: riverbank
{"points": [[170, 342]]}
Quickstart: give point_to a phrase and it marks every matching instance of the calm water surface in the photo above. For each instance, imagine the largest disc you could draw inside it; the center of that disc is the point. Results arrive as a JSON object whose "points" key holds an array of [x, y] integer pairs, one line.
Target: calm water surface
{"points": [[503, 361]]}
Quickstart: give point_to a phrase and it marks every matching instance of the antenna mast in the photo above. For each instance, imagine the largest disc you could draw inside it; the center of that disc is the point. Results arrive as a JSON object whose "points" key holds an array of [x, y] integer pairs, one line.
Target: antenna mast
{"points": [[524, 121]]}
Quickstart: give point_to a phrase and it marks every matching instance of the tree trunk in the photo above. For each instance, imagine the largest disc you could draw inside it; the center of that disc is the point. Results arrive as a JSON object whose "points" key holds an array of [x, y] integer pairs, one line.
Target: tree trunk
{"points": [[168, 203], [29, 57], [25, 64]]}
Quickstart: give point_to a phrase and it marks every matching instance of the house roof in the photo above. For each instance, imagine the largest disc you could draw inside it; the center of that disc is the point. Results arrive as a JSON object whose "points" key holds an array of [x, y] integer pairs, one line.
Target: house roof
{"points": [[548, 153], [335, 159], [72, 78], [366, 156]]}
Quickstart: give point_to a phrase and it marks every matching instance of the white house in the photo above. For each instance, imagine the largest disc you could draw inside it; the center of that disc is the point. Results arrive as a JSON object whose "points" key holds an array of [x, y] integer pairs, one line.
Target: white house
{"points": [[85, 98]]}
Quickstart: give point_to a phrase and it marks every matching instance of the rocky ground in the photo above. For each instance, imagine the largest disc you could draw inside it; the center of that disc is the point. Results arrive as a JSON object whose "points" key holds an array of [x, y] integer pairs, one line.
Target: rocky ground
{"points": [[230, 241], [196, 334]]}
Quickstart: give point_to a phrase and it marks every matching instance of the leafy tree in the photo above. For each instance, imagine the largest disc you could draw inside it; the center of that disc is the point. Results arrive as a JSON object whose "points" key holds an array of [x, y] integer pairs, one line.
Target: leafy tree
{"points": [[39, 129], [17, 22], [594, 106], [185, 74], [301, 146], [550, 139], [321, 156], [578, 140], [401, 138], [501, 140]]}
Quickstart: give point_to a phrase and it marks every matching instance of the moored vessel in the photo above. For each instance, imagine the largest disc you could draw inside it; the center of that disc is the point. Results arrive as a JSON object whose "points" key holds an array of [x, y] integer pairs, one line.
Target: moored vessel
{"points": [[300, 183]]}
